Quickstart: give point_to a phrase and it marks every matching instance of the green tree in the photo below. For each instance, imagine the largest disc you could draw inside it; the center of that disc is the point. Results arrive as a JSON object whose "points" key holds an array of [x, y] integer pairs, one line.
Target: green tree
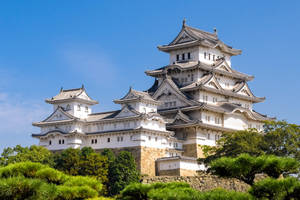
{"points": [[27, 180], [279, 138], [234, 143], [282, 139], [22, 154], [123, 172], [245, 167], [68, 161], [276, 189], [84, 162]]}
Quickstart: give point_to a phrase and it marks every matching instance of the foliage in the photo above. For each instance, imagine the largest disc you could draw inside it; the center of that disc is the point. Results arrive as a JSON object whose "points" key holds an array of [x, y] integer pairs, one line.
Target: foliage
{"points": [[22, 154], [83, 162], [122, 172], [29, 180], [276, 189], [20, 188], [245, 167], [221, 194], [280, 138], [178, 191]]}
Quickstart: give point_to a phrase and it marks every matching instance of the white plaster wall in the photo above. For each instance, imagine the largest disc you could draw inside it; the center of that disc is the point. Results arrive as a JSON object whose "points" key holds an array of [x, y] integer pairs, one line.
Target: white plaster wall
{"points": [[226, 82], [193, 51], [215, 52], [182, 164], [235, 121]]}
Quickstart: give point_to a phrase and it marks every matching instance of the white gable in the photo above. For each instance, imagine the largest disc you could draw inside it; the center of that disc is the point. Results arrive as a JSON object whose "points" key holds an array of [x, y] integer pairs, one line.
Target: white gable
{"points": [[58, 115], [246, 91], [183, 37], [125, 112], [83, 95], [168, 95]]}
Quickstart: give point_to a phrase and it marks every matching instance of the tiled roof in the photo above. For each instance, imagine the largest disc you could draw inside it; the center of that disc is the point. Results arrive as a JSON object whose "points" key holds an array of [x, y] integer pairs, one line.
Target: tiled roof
{"points": [[196, 37], [71, 94], [199, 65]]}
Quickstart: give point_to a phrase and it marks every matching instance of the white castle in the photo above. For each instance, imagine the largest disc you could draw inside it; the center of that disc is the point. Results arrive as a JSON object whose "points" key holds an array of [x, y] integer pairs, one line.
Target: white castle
{"points": [[196, 98]]}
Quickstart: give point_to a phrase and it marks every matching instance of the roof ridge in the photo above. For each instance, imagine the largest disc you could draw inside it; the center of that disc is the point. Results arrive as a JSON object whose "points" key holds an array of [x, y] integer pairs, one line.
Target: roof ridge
{"points": [[202, 31], [73, 89], [98, 113]]}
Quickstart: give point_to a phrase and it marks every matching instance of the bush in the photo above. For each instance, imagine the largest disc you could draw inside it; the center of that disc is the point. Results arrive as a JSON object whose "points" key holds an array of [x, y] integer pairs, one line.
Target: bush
{"points": [[221, 194], [51, 176], [270, 188], [20, 188], [75, 192], [36, 181], [26, 169], [176, 191], [245, 167], [84, 181]]}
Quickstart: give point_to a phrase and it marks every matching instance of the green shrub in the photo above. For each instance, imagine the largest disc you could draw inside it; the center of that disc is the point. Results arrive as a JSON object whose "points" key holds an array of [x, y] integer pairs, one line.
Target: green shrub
{"points": [[26, 169], [276, 189], [75, 192], [84, 181], [51, 176], [221, 194], [177, 191], [36, 181], [245, 167], [19, 188]]}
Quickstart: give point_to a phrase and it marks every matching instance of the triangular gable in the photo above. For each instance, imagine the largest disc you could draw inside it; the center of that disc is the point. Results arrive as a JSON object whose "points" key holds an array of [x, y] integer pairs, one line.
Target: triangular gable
{"points": [[130, 95], [84, 95], [126, 112], [245, 90], [183, 37], [213, 83], [167, 89], [58, 115], [224, 66]]}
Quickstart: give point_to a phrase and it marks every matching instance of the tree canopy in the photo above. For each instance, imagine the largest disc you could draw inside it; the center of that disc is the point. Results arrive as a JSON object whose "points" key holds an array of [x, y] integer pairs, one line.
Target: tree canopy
{"points": [[122, 172], [21, 154], [245, 167], [279, 138], [27, 180]]}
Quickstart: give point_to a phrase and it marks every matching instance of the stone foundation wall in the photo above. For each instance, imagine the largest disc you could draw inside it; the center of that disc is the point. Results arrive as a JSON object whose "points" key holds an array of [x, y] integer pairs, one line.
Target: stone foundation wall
{"points": [[177, 172], [148, 158], [144, 157], [202, 182]]}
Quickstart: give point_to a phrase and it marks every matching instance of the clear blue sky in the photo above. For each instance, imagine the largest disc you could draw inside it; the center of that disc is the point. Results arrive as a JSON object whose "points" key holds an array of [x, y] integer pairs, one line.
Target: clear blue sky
{"points": [[107, 46]]}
